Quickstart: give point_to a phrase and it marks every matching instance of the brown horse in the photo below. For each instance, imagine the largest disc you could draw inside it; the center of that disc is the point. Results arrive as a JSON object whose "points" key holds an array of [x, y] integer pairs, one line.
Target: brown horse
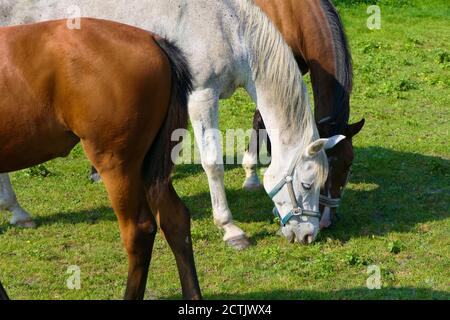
{"points": [[119, 90], [314, 31]]}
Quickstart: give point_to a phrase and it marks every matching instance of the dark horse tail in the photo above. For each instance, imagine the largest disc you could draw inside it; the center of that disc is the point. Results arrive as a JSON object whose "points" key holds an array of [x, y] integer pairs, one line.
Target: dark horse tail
{"points": [[158, 163]]}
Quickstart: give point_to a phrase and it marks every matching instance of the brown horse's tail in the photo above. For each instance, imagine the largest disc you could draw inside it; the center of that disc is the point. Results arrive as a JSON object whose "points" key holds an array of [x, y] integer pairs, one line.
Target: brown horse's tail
{"points": [[158, 163]]}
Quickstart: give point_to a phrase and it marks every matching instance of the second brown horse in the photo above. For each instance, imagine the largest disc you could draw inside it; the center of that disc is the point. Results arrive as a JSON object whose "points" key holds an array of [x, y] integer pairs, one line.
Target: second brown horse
{"points": [[119, 90], [314, 31]]}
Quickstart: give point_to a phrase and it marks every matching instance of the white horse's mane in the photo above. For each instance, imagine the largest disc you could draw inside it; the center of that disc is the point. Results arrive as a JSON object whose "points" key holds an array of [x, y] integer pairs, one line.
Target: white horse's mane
{"points": [[274, 66]]}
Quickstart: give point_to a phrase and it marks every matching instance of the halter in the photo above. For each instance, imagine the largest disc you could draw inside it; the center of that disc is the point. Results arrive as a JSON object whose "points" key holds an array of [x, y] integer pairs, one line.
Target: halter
{"points": [[334, 202], [297, 209]]}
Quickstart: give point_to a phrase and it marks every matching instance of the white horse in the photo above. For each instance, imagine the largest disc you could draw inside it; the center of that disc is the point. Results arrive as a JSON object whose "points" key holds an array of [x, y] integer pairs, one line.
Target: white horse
{"points": [[229, 44]]}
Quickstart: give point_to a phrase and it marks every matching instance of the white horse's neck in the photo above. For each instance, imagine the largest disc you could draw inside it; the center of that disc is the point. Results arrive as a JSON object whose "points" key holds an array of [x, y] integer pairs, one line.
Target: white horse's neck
{"points": [[277, 87]]}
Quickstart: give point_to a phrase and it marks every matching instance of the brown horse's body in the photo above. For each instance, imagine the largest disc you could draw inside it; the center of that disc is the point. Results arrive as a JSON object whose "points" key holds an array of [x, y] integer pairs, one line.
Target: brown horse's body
{"points": [[114, 88], [57, 85], [313, 30]]}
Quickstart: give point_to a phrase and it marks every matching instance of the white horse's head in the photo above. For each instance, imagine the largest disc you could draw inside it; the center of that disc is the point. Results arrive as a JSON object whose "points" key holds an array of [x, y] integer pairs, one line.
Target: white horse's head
{"points": [[296, 193]]}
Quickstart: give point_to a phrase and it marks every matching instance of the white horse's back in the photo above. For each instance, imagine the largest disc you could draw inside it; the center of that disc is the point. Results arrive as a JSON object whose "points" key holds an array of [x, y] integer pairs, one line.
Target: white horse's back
{"points": [[207, 30]]}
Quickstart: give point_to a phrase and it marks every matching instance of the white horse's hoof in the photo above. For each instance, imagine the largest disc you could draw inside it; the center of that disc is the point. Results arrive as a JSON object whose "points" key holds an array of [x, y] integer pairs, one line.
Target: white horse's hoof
{"points": [[26, 224], [252, 183], [239, 243]]}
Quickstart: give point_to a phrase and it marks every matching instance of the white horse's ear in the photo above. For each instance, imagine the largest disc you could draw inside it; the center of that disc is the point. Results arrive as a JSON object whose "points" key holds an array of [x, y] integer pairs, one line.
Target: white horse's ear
{"points": [[333, 141], [315, 147], [323, 144]]}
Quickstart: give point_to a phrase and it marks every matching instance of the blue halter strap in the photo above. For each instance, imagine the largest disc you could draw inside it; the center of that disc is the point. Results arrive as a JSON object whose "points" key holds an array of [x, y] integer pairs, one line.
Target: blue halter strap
{"points": [[297, 209]]}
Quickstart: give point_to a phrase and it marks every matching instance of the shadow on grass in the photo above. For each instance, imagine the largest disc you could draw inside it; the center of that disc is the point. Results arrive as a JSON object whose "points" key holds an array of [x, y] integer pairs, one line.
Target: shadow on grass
{"points": [[392, 191], [357, 294], [407, 293], [71, 217], [346, 294], [85, 216]]}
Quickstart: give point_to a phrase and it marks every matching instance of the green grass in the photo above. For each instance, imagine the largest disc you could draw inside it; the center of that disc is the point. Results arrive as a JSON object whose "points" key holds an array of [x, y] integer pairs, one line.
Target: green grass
{"points": [[395, 214]]}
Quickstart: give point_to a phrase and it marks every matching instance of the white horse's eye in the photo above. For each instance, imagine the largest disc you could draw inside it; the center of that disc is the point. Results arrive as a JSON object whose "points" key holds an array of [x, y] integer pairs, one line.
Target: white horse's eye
{"points": [[306, 186]]}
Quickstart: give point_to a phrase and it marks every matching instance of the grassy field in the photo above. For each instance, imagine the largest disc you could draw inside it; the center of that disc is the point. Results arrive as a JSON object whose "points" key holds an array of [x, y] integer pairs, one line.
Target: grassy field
{"points": [[395, 214]]}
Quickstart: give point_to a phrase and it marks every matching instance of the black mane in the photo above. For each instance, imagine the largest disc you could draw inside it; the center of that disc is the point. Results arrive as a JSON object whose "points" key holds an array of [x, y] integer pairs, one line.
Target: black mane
{"points": [[344, 70]]}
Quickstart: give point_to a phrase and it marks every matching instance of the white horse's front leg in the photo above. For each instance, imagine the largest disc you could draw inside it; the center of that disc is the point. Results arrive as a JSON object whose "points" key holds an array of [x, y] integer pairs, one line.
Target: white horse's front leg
{"points": [[8, 201], [203, 111]]}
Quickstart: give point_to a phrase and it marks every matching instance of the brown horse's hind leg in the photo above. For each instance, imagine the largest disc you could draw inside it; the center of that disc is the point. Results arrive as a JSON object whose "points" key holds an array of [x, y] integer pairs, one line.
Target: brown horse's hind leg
{"points": [[137, 226], [124, 184], [174, 220]]}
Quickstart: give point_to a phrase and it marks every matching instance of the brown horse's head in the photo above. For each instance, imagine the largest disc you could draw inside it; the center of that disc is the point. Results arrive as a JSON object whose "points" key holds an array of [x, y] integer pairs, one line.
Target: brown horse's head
{"points": [[340, 160]]}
